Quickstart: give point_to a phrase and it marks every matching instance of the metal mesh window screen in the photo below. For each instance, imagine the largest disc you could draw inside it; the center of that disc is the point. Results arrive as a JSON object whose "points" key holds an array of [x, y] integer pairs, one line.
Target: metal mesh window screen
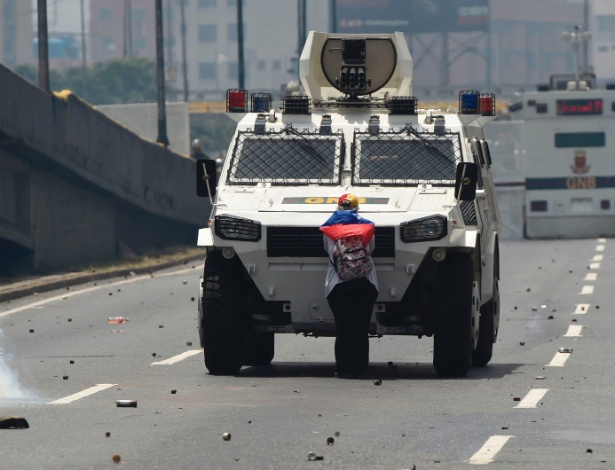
{"points": [[288, 157], [405, 158]]}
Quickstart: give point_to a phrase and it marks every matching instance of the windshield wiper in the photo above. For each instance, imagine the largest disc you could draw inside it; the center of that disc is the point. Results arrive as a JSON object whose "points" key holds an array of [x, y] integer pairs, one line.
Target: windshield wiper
{"points": [[428, 145], [306, 144]]}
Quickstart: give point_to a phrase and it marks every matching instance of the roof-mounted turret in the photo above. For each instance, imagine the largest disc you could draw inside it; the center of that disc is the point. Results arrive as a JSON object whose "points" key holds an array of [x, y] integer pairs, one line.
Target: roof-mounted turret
{"points": [[334, 66]]}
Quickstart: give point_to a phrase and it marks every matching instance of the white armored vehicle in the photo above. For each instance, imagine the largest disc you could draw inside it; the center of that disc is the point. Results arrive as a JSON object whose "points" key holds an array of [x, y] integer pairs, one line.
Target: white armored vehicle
{"points": [[421, 175]]}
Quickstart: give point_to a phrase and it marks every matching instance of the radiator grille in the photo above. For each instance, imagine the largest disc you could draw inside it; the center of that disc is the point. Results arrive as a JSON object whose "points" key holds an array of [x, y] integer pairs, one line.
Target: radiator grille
{"points": [[306, 242]]}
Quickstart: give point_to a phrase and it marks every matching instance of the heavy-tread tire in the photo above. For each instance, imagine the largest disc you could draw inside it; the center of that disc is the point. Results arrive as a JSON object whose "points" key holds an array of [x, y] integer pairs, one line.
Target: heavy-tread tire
{"points": [[258, 349], [222, 322], [453, 342], [486, 330]]}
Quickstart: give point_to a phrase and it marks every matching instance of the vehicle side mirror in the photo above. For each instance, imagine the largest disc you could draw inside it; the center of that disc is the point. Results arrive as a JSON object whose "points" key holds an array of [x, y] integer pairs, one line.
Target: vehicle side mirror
{"points": [[466, 180], [206, 178]]}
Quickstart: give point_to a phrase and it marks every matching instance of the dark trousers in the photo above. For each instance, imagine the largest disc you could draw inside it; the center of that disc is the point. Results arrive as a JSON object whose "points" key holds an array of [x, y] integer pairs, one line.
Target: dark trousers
{"points": [[352, 303]]}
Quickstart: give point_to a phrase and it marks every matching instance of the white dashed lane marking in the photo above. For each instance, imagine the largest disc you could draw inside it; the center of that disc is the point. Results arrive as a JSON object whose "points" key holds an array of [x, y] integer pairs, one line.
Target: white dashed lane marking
{"points": [[598, 258], [559, 360], [594, 265], [84, 393], [587, 290], [574, 330], [179, 357], [581, 309], [489, 450], [599, 247], [591, 277], [532, 398]]}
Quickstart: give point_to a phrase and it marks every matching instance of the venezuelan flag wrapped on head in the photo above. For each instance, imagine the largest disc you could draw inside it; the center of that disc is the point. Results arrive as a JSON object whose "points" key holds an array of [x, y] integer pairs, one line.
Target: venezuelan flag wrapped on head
{"points": [[347, 222]]}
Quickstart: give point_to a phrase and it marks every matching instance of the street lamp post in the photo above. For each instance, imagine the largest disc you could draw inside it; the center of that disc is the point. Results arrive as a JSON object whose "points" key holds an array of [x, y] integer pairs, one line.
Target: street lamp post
{"points": [[576, 37], [162, 115]]}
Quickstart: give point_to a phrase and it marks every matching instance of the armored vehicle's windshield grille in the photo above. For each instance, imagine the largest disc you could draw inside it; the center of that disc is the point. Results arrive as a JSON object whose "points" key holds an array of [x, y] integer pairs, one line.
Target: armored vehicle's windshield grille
{"points": [[307, 242], [288, 157], [405, 158]]}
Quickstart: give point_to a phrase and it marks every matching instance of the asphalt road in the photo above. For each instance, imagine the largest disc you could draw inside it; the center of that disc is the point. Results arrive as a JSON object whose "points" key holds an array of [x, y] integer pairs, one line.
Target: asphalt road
{"points": [[63, 366]]}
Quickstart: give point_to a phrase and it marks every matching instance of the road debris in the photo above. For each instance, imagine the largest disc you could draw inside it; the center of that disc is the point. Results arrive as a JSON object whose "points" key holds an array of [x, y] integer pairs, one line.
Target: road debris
{"points": [[13, 422], [126, 403], [116, 458], [107, 434], [312, 456], [117, 320], [377, 382], [330, 441], [226, 436], [564, 350]]}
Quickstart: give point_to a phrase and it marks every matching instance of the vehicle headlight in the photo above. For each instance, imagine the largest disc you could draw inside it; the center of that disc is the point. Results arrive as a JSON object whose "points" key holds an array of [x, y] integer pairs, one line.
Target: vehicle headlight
{"points": [[426, 229], [237, 228]]}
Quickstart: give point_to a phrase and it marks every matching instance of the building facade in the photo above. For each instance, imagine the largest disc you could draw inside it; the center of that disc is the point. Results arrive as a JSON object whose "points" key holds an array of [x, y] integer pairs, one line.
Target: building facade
{"points": [[16, 33], [603, 39]]}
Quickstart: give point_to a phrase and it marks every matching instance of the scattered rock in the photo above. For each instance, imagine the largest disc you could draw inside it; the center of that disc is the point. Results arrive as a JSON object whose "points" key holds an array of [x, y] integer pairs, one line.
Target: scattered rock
{"points": [[117, 458], [540, 377], [173, 392], [516, 398], [160, 326], [377, 382], [107, 434], [589, 451], [13, 422], [330, 441], [31, 331], [226, 436], [312, 457], [564, 350], [65, 377], [126, 403], [336, 434], [550, 317], [522, 343]]}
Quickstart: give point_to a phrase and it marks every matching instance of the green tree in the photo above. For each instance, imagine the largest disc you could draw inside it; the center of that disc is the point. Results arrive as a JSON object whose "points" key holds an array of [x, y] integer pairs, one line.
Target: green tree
{"points": [[122, 81]]}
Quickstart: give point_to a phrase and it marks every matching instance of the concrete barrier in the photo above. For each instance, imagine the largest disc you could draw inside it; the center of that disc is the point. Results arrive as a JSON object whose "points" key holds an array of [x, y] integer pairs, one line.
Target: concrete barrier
{"points": [[91, 187]]}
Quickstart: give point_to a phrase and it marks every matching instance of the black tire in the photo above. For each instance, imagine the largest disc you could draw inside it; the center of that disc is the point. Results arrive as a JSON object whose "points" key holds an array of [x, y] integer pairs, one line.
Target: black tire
{"points": [[453, 343], [486, 332], [258, 349], [222, 322]]}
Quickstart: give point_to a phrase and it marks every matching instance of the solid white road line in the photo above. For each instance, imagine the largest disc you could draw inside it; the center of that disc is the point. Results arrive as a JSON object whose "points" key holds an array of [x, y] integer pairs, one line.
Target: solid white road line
{"points": [[82, 394], [179, 357], [587, 290], [591, 277], [599, 247], [532, 398], [594, 265], [489, 450], [581, 309], [67, 295], [574, 330], [559, 360]]}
